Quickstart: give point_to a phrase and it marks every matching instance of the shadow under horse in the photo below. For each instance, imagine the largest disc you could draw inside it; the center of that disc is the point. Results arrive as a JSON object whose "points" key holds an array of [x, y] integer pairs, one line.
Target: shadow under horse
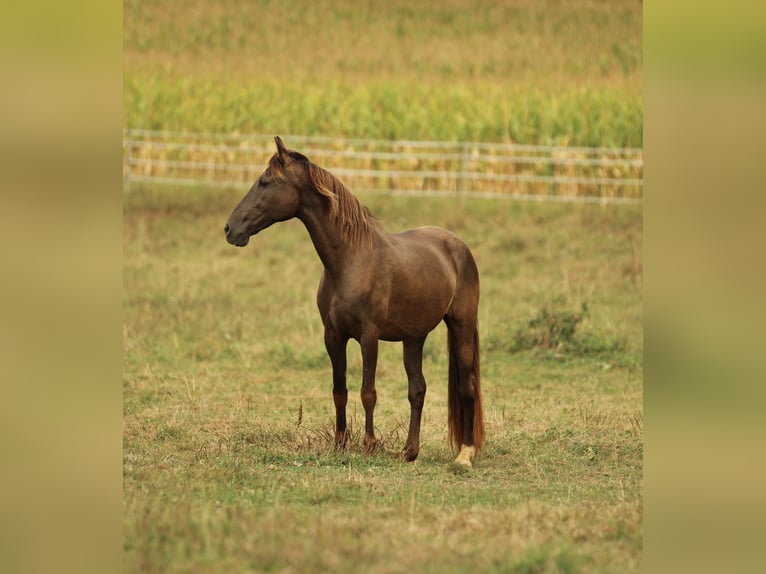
{"points": [[378, 286]]}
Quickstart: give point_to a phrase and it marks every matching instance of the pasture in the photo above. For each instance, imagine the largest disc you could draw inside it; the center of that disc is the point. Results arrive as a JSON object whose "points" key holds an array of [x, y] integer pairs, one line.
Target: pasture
{"points": [[228, 463]]}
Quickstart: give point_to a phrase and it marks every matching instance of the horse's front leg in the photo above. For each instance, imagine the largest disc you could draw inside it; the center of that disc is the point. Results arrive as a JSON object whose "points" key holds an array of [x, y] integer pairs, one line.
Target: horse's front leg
{"points": [[336, 349], [369, 345]]}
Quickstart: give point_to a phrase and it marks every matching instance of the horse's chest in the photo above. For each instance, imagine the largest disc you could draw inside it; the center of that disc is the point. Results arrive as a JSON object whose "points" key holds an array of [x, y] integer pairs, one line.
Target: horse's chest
{"points": [[346, 308], [349, 313]]}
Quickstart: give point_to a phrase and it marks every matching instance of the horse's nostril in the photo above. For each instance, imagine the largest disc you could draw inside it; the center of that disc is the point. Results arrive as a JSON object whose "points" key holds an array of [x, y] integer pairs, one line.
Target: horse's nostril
{"points": [[226, 229]]}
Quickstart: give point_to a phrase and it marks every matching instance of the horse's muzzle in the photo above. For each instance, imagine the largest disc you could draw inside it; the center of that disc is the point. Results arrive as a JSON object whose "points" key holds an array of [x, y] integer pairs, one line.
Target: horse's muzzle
{"points": [[239, 240]]}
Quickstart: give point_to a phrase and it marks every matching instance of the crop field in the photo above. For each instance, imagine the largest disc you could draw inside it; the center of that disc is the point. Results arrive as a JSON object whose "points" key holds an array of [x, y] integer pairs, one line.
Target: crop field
{"points": [[566, 73], [228, 464]]}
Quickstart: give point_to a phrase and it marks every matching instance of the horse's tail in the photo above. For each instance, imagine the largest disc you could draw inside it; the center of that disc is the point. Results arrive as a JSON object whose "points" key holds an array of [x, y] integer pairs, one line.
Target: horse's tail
{"points": [[455, 409]]}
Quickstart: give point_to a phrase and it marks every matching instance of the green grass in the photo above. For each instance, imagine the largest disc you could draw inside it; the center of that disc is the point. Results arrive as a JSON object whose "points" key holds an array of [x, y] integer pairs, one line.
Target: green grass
{"points": [[529, 72], [228, 464], [394, 109]]}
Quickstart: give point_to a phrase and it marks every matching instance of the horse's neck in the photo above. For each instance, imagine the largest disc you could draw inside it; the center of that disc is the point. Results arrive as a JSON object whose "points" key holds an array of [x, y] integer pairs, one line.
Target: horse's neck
{"points": [[331, 244]]}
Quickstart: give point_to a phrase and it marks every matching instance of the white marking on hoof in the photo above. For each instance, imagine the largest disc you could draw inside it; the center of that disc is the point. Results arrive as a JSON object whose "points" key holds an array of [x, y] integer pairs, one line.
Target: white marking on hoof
{"points": [[466, 455]]}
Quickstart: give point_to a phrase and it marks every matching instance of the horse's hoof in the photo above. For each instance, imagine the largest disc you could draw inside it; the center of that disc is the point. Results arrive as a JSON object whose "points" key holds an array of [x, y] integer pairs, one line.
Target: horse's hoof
{"points": [[341, 438], [466, 455], [409, 454], [370, 444]]}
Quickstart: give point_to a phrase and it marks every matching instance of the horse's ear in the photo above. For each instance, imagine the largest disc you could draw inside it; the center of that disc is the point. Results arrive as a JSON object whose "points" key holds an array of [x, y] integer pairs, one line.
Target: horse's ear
{"points": [[281, 149]]}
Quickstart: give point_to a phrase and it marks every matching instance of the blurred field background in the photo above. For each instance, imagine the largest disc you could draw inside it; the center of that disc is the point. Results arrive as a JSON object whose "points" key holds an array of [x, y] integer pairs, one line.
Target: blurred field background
{"points": [[568, 73], [226, 388]]}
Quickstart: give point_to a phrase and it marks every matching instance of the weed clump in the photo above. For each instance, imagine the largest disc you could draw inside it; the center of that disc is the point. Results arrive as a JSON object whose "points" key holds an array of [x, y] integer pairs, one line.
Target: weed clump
{"points": [[554, 333], [549, 329]]}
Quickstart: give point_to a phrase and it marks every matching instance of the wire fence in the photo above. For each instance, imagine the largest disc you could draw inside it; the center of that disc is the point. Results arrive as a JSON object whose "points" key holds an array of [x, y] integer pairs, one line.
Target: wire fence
{"points": [[541, 173]]}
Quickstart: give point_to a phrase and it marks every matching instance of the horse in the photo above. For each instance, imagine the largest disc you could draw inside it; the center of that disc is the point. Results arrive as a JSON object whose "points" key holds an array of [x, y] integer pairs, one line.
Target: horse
{"points": [[377, 286]]}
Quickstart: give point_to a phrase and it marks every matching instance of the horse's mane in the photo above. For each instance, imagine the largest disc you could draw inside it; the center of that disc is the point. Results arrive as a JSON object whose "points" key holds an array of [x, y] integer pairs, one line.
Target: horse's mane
{"points": [[353, 219]]}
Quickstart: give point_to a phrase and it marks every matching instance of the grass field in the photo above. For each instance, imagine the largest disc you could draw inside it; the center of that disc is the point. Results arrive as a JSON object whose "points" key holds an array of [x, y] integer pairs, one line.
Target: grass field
{"points": [[228, 409], [227, 463]]}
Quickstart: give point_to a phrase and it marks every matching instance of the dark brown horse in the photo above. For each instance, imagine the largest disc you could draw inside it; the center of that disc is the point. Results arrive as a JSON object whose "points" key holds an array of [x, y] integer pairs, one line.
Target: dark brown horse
{"points": [[377, 286]]}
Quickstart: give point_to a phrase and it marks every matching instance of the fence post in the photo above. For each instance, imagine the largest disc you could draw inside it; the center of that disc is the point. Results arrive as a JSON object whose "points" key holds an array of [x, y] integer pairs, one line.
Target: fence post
{"points": [[463, 180]]}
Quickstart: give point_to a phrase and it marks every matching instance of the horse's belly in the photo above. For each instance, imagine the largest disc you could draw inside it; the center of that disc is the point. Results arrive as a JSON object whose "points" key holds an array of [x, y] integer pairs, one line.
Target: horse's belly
{"points": [[398, 321], [401, 332], [414, 318]]}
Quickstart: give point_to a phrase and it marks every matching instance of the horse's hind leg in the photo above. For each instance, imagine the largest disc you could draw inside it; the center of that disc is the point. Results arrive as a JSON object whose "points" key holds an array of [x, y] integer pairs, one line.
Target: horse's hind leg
{"points": [[413, 365], [336, 349]]}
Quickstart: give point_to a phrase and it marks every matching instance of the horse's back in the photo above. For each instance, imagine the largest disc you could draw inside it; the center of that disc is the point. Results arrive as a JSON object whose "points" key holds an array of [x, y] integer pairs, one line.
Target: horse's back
{"points": [[443, 244]]}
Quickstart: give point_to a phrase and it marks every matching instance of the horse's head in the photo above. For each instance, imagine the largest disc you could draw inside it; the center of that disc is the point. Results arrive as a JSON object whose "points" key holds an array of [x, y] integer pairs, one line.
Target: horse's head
{"points": [[274, 196]]}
